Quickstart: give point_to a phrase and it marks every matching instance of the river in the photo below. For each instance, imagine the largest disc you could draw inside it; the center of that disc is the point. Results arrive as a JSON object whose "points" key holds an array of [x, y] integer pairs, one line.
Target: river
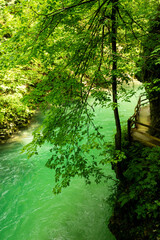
{"points": [[30, 211]]}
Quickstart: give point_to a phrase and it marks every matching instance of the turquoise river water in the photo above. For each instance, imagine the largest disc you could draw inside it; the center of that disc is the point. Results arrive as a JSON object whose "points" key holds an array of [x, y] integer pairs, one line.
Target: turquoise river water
{"points": [[30, 211]]}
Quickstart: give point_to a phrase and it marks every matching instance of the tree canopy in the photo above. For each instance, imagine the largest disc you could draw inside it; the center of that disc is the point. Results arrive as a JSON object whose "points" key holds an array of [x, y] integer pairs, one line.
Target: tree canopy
{"points": [[76, 49]]}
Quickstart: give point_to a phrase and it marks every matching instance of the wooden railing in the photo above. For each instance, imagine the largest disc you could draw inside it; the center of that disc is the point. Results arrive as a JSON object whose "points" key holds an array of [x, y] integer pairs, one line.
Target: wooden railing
{"points": [[133, 123], [133, 120]]}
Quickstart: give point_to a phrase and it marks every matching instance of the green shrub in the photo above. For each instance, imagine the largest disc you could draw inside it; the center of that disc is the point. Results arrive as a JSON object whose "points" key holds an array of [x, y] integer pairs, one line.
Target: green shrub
{"points": [[138, 196]]}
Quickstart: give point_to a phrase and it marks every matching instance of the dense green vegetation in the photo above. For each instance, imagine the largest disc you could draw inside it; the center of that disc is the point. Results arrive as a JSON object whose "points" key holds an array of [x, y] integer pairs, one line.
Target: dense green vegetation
{"points": [[137, 199], [54, 55], [150, 69], [14, 113]]}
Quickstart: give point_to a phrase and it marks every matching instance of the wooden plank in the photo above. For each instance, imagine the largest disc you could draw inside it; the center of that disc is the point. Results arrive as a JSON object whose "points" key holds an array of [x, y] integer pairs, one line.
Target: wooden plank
{"points": [[150, 136], [145, 125], [145, 138]]}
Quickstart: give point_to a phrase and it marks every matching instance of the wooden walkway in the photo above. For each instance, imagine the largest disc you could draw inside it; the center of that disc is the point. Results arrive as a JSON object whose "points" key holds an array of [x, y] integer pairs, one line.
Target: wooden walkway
{"points": [[139, 124]]}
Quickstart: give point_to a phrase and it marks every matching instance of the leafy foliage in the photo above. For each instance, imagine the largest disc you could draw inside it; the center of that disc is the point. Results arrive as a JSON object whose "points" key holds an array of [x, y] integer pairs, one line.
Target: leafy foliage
{"points": [[67, 51], [76, 144], [138, 196], [72, 45], [13, 114], [150, 68]]}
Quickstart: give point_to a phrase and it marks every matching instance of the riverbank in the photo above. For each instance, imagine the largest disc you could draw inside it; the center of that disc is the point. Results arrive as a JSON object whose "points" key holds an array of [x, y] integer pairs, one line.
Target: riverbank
{"points": [[15, 113], [14, 124]]}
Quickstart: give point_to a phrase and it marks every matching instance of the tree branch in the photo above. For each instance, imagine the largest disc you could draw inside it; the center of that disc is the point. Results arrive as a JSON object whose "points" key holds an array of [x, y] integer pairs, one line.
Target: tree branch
{"points": [[64, 8]]}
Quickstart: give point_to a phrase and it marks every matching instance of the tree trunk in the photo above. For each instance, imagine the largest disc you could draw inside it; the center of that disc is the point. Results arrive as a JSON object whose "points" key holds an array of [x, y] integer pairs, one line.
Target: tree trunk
{"points": [[114, 77], [117, 167]]}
